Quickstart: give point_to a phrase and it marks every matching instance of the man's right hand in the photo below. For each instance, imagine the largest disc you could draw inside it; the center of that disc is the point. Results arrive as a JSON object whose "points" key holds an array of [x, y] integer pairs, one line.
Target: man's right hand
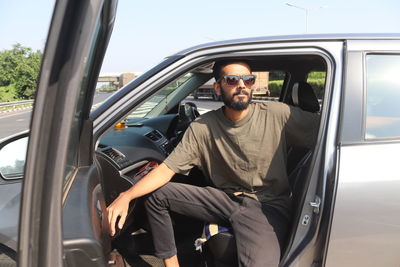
{"points": [[158, 177], [118, 208]]}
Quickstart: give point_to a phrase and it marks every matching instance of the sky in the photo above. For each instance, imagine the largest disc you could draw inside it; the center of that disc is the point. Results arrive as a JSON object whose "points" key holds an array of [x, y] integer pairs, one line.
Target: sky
{"points": [[145, 32]]}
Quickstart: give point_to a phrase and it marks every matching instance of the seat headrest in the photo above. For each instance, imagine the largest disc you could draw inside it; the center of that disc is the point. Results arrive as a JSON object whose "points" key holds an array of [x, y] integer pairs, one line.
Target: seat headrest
{"points": [[303, 96]]}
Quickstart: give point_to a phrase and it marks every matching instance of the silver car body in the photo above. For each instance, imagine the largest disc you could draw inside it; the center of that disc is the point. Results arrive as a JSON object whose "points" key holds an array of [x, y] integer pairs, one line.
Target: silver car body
{"points": [[365, 227], [363, 208]]}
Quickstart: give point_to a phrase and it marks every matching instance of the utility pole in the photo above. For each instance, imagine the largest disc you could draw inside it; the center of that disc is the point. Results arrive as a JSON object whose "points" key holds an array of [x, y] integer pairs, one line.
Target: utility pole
{"points": [[306, 10]]}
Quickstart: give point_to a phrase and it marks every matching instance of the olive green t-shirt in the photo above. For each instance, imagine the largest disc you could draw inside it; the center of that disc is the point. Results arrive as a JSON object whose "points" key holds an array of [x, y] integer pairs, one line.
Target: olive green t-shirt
{"points": [[248, 155]]}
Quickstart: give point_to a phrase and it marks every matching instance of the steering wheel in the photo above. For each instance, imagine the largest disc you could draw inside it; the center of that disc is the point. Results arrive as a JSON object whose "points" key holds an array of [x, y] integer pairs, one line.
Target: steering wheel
{"points": [[188, 112]]}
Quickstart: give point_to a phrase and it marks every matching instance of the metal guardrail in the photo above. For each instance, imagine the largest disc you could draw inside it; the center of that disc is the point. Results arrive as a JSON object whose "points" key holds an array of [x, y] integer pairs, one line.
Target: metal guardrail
{"points": [[16, 104]]}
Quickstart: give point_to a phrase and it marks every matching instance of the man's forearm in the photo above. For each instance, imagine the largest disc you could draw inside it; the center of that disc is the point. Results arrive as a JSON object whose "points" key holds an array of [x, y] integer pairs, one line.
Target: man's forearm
{"points": [[152, 181]]}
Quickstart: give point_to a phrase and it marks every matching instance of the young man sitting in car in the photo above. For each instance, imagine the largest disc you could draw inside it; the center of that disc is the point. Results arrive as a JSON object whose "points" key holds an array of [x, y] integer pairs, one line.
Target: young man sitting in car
{"points": [[241, 148]]}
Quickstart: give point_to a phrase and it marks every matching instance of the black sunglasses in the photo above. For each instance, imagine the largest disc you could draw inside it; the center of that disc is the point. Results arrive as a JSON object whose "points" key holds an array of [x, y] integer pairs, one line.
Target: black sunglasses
{"points": [[233, 80]]}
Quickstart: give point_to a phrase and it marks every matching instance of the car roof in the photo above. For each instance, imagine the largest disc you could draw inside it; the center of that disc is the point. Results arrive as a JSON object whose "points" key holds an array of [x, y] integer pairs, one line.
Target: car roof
{"points": [[293, 38]]}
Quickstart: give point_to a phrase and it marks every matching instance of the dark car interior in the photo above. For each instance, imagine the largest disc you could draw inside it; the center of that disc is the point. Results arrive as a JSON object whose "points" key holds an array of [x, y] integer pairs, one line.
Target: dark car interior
{"points": [[126, 154]]}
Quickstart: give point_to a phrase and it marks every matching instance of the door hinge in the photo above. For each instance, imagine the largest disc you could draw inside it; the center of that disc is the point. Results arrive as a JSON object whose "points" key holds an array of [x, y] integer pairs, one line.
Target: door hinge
{"points": [[316, 204]]}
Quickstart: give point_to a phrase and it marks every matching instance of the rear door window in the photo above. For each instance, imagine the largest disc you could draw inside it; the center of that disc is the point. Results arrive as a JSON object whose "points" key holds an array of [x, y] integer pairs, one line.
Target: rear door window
{"points": [[269, 83], [317, 81], [382, 118]]}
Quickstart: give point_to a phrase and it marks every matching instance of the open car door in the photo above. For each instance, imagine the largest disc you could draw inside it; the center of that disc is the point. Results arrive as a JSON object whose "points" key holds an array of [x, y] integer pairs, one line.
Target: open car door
{"points": [[61, 205]]}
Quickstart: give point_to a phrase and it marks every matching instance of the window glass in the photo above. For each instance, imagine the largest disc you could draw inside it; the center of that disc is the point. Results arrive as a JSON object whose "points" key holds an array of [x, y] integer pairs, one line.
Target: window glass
{"points": [[200, 86], [383, 96], [261, 85], [205, 91], [317, 81], [144, 110], [72, 157], [269, 83]]}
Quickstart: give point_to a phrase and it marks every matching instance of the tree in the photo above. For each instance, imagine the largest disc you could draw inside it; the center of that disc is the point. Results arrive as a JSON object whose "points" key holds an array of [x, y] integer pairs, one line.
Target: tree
{"points": [[19, 68]]}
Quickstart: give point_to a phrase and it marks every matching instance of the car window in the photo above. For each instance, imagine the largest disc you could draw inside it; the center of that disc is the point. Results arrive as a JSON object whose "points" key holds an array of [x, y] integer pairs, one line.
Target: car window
{"points": [[275, 80], [382, 96], [317, 81], [72, 158], [198, 88], [170, 96], [268, 84], [144, 110]]}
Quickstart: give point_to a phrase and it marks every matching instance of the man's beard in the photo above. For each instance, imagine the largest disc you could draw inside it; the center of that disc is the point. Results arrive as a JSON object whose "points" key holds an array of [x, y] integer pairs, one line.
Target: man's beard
{"points": [[236, 105]]}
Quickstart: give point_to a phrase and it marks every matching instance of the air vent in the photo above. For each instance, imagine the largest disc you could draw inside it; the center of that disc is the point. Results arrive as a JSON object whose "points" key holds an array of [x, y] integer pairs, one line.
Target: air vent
{"points": [[154, 135], [113, 153], [117, 157]]}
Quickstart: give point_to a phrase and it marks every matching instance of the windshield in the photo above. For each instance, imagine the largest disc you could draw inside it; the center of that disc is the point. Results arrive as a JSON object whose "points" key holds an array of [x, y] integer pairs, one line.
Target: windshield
{"points": [[162, 96]]}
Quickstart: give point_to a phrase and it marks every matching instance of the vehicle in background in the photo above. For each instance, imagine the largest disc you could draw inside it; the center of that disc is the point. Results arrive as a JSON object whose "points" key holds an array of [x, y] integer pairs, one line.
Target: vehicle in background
{"points": [[206, 90]]}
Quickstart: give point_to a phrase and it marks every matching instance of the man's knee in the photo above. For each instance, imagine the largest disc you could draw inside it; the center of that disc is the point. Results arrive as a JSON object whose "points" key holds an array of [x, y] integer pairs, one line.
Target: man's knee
{"points": [[158, 197]]}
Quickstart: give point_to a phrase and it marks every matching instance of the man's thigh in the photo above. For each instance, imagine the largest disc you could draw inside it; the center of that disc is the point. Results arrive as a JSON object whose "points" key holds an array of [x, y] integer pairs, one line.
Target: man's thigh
{"points": [[256, 239], [204, 203]]}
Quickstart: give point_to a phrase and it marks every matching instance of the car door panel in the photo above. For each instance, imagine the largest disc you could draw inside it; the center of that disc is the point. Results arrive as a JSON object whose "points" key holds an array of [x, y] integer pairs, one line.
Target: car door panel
{"points": [[86, 237], [365, 222], [9, 212], [367, 213], [75, 47], [10, 191]]}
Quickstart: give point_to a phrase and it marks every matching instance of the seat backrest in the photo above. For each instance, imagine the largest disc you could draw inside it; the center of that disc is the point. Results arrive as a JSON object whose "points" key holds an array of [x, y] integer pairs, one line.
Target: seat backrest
{"points": [[299, 158], [303, 96]]}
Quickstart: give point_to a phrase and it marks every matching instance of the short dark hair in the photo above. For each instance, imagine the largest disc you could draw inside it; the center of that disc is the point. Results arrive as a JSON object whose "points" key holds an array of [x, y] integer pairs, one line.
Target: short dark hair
{"points": [[218, 65]]}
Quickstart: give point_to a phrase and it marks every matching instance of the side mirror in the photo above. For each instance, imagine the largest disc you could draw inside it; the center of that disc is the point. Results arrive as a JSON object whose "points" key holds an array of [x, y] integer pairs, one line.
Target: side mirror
{"points": [[12, 157]]}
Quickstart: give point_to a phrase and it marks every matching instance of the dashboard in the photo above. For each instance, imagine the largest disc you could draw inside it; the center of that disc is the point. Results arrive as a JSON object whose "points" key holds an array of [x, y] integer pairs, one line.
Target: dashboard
{"points": [[125, 155]]}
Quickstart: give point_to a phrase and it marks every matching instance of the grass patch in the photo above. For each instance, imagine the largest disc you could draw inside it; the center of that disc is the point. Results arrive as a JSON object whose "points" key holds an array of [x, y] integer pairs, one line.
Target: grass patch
{"points": [[14, 107]]}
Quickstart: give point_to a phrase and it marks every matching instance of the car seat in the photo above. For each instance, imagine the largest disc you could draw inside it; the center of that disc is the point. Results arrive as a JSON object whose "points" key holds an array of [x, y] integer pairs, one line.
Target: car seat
{"points": [[220, 249]]}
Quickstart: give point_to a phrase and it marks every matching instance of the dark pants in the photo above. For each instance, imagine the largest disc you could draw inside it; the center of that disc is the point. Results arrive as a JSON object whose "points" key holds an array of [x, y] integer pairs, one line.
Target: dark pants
{"points": [[259, 229]]}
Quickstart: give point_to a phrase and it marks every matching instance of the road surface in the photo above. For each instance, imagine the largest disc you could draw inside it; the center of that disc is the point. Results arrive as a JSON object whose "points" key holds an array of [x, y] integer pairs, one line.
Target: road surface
{"points": [[18, 121]]}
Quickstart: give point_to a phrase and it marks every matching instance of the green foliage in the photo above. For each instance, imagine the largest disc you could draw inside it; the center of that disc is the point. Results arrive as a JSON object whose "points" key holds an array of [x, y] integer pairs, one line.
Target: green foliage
{"points": [[277, 75], [317, 75], [107, 88], [318, 85], [275, 88], [317, 81], [19, 67], [8, 93]]}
